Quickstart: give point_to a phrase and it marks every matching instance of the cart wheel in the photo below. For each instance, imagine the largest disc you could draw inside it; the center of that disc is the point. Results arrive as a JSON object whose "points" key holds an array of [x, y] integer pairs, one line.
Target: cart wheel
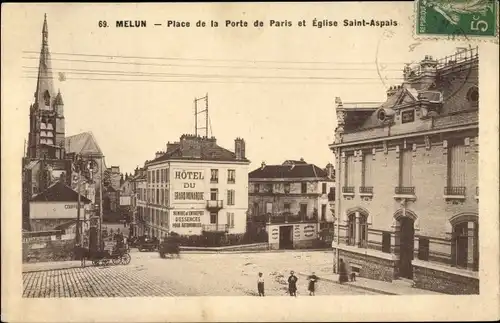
{"points": [[116, 260], [125, 259]]}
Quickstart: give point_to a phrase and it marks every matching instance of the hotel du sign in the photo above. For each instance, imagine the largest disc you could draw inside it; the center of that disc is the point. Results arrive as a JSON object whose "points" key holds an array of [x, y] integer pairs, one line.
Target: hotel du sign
{"points": [[188, 186]]}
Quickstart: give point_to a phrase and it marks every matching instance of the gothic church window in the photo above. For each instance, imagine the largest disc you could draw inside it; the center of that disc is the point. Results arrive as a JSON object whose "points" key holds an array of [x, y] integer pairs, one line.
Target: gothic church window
{"points": [[46, 98]]}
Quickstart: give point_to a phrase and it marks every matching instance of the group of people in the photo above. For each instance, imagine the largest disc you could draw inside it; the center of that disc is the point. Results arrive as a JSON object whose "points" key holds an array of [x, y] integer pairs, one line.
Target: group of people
{"points": [[292, 284]]}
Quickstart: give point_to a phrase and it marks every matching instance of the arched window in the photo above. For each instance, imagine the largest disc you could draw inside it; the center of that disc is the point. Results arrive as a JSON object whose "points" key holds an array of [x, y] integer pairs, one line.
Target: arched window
{"points": [[46, 98], [465, 245], [351, 229], [363, 231]]}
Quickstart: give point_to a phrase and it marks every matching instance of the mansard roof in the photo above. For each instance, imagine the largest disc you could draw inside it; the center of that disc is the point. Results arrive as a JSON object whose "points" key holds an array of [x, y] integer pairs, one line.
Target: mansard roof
{"points": [[197, 148], [441, 86], [59, 192], [296, 171]]}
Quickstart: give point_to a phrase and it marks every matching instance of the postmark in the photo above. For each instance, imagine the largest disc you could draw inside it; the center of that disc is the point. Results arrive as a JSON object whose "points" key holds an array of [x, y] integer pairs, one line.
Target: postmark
{"points": [[475, 19]]}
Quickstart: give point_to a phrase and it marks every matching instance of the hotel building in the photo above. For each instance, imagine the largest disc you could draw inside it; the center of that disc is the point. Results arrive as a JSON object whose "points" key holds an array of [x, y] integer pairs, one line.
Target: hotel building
{"points": [[196, 186]]}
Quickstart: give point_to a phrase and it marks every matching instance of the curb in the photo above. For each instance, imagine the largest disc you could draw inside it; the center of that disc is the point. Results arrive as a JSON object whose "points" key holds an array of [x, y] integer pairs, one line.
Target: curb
{"points": [[205, 251], [354, 286]]}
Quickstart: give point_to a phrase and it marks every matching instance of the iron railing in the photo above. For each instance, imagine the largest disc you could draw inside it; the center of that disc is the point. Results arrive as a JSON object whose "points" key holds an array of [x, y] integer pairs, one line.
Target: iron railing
{"points": [[215, 227], [348, 189], [404, 190], [366, 189], [454, 190], [214, 204]]}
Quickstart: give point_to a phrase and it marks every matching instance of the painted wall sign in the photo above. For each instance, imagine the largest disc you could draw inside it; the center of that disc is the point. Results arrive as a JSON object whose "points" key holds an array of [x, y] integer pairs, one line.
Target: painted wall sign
{"points": [[309, 231], [188, 186], [57, 210], [187, 219]]}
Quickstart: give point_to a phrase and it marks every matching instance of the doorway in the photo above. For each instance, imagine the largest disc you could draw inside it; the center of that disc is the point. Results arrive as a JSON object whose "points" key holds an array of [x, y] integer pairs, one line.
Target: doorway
{"points": [[406, 246], [286, 241]]}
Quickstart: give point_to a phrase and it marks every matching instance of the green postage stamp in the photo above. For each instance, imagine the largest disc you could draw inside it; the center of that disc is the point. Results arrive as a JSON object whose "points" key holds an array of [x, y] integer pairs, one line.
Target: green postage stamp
{"points": [[457, 18]]}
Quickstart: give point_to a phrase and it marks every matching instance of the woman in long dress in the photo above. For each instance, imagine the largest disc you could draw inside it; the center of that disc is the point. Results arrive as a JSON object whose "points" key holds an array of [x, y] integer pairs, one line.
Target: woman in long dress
{"points": [[343, 276]]}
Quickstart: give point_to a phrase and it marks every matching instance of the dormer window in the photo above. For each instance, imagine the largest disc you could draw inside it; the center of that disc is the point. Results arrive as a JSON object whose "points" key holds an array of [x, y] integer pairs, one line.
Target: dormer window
{"points": [[46, 98], [435, 97], [473, 95], [408, 116]]}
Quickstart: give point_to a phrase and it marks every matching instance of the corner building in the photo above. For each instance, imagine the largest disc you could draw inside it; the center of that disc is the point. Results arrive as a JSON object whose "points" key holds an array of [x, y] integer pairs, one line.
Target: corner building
{"points": [[408, 179], [197, 186]]}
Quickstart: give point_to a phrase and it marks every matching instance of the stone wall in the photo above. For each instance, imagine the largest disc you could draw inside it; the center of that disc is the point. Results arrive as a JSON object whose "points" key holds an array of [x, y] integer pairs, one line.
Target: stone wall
{"points": [[44, 249], [369, 266], [444, 282]]}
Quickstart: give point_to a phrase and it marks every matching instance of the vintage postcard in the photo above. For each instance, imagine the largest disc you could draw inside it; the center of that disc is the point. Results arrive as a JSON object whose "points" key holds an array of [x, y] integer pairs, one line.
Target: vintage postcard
{"points": [[204, 162]]}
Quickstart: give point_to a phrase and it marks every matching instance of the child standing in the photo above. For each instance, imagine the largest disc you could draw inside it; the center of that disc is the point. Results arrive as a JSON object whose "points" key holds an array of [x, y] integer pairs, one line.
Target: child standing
{"points": [[260, 285], [312, 281]]}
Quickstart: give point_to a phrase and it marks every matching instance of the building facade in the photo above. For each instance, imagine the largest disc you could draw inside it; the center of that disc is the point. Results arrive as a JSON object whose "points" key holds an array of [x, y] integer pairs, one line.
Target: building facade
{"points": [[139, 202], [56, 206], [196, 186], [293, 201], [408, 178]]}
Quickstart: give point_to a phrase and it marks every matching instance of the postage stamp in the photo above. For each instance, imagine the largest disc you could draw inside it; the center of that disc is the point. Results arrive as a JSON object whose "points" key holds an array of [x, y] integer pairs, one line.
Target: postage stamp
{"points": [[473, 18]]}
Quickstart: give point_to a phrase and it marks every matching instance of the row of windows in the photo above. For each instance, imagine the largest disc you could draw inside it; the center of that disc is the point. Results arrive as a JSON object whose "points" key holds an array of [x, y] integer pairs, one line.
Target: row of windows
{"points": [[214, 196], [231, 176], [158, 176], [286, 208], [269, 188], [456, 168], [163, 176], [464, 244]]}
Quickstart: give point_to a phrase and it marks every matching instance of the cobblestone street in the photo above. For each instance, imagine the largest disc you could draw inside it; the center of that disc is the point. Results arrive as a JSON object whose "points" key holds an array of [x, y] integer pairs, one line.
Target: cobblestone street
{"points": [[149, 275]]}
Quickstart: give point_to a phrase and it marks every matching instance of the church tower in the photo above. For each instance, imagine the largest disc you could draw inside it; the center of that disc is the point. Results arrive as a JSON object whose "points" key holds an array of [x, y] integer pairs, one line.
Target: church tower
{"points": [[46, 136]]}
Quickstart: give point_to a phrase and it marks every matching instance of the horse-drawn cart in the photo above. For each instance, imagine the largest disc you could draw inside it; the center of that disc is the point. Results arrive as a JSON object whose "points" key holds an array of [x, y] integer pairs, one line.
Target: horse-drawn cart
{"points": [[169, 246], [112, 252]]}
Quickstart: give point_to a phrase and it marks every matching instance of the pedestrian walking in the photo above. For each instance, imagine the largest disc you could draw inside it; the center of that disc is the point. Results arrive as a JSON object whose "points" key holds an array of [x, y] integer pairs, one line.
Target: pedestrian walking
{"points": [[312, 284], [292, 284], [343, 277], [260, 285]]}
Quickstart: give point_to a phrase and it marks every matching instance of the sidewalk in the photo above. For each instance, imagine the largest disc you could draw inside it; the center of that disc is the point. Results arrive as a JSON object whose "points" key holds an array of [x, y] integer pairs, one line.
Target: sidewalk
{"points": [[397, 287], [53, 265]]}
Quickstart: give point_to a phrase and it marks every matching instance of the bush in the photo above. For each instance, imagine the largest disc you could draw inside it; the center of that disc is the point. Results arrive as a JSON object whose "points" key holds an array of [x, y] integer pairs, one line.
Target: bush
{"points": [[216, 239]]}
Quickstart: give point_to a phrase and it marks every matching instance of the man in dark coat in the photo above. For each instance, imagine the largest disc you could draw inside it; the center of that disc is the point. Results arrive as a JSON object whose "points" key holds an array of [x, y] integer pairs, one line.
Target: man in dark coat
{"points": [[343, 276], [292, 284]]}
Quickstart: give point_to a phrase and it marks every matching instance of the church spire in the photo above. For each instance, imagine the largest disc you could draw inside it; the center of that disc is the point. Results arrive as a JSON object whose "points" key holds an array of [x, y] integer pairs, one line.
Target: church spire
{"points": [[44, 94]]}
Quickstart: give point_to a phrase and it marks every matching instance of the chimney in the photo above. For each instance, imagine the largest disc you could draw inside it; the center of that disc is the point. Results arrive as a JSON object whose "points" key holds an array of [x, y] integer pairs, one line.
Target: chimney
{"points": [[158, 154], [239, 148], [330, 171], [263, 165], [391, 91]]}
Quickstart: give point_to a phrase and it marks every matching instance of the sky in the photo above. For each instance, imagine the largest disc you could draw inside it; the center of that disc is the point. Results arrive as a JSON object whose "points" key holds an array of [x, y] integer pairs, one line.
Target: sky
{"points": [[273, 86]]}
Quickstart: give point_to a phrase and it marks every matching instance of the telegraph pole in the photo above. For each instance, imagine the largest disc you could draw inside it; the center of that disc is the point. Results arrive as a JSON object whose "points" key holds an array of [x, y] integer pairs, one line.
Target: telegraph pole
{"points": [[78, 223], [196, 113]]}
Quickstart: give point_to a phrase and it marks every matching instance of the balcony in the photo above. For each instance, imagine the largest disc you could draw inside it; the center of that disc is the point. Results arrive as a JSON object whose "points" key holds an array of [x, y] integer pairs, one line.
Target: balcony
{"points": [[215, 228], [285, 217], [348, 190], [405, 192], [214, 205], [454, 192], [366, 191]]}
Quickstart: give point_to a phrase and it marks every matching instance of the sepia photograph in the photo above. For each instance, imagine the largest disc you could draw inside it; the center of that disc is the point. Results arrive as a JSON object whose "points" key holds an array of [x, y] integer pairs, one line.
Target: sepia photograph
{"points": [[171, 153]]}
